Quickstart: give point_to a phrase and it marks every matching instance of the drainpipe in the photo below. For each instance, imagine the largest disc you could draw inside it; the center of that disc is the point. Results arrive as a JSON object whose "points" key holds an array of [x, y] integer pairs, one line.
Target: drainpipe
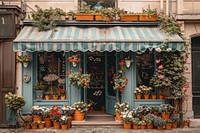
{"points": [[161, 6], [167, 7]]}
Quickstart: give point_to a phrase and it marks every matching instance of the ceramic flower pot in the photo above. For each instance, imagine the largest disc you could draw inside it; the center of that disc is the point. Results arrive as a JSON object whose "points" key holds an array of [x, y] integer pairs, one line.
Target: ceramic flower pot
{"points": [[33, 126], [174, 125], [138, 96], [41, 126], [47, 122], [159, 127], [165, 115], [37, 118], [27, 126], [78, 115], [168, 126], [142, 127], [149, 126], [186, 123], [47, 97], [127, 125], [146, 96], [118, 116], [62, 97], [135, 127], [56, 125], [55, 97], [64, 127], [153, 96], [161, 97]]}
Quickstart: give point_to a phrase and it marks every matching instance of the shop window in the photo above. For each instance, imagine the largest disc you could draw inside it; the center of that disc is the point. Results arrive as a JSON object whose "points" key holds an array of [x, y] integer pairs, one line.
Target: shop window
{"points": [[103, 3], [51, 74], [145, 67]]}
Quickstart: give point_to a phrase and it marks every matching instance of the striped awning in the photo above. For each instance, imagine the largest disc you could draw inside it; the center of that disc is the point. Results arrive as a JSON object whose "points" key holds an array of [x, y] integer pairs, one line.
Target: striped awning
{"points": [[94, 38]]}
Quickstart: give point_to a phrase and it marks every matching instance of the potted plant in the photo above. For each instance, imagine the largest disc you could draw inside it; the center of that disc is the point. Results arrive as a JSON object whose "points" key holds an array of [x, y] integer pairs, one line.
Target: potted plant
{"points": [[74, 59], [25, 59], [145, 91], [68, 111], [153, 95], [186, 122], [63, 122], [60, 15], [155, 110], [84, 13], [176, 120], [71, 15], [149, 118], [135, 123], [142, 124], [127, 119], [37, 113], [47, 95], [166, 109], [55, 95], [46, 117], [55, 116], [159, 122], [142, 111], [138, 93], [80, 108], [117, 13], [39, 89], [129, 17], [123, 107], [103, 14], [148, 15], [41, 124], [27, 121], [168, 125], [62, 93], [34, 125]]}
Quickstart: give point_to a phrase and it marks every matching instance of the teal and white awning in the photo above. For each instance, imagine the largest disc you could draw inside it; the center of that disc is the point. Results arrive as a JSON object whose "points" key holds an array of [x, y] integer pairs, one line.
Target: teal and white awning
{"points": [[95, 38]]}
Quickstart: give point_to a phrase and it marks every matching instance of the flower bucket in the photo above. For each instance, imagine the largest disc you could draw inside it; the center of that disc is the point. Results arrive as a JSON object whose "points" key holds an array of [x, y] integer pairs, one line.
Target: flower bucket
{"points": [[165, 115], [149, 126], [146, 96], [47, 97], [47, 122], [127, 125], [62, 97], [168, 126], [135, 126], [138, 96], [33, 126], [159, 127], [55, 97], [27, 126], [142, 127], [64, 127], [56, 125], [186, 123], [78, 115], [25, 64], [37, 118], [174, 125], [41, 126], [161, 97], [118, 116], [153, 96]]}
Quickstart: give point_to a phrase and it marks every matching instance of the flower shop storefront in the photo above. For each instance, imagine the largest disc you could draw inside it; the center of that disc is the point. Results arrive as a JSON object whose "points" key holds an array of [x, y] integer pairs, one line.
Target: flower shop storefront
{"points": [[99, 51]]}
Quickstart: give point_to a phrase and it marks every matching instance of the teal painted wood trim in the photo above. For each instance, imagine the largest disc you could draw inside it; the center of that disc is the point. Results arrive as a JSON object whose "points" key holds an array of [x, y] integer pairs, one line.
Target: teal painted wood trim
{"points": [[50, 103], [149, 102], [68, 86], [27, 88], [85, 71], [134, 79]]}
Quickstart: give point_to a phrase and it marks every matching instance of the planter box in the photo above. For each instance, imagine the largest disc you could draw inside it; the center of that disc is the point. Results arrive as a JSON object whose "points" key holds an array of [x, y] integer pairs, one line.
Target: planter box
{"points": [[84, 17], [99, 17], [129, 17], [144, 17]]}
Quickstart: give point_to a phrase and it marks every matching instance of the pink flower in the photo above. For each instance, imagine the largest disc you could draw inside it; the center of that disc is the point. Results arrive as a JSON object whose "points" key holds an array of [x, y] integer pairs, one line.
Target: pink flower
{"points": [[185, 88], [159, 71], [179, 69], [157, 61], [179, 76], [160, 67], [186, 68], [161, 77]]}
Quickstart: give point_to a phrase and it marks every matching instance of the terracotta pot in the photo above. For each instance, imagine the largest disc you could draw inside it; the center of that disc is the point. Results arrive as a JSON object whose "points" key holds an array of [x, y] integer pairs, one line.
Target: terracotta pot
{"points": [[41, 126], [34, 126], [186, 123], [144, 17], [149, 126], [47, 97], [153, 96], [37, 118], [142, 118], [56, 125], [146, 96], [78, 115], [69, 124], [118, 116], [166, 116], [168, 126], [55, 97], [129, 17], [127, 125], [84, 17], [64, 127], [138, 96], [142, 127], [159, 127], [135, 126], [156, 113], [174, 125], [62, 97], [27, 126], [47, 122], [161, 97]]}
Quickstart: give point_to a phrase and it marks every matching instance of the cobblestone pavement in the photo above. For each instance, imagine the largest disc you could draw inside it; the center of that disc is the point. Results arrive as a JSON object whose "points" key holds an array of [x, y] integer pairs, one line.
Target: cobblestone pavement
{"points": [[105, 130]]}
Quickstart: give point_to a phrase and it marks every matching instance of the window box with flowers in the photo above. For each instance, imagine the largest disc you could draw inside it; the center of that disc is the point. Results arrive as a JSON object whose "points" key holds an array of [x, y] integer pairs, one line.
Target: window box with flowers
{"points": [[25, 59], [80, 108], [55, 116]]}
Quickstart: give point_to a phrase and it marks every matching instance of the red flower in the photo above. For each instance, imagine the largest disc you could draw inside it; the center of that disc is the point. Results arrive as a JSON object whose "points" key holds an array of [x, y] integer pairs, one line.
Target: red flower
{"points": [[67, 73], [161, 77], [121, 63], [114, 75], [80, 70]]}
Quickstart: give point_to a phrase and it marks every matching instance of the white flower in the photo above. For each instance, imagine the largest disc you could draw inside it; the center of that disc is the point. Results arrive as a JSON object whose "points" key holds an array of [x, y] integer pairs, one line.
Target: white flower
{"points": [[158, 50], [169, 49]]}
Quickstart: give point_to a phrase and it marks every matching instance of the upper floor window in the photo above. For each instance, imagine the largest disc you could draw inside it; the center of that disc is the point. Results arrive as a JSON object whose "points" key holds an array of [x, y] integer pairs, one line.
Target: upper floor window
{"points": [[103, 3]]}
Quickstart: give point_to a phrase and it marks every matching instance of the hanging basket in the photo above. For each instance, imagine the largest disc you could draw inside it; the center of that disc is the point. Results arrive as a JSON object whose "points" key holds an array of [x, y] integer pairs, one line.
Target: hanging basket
{"points": [[25, 64], [128, 63], [74, 64]]}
